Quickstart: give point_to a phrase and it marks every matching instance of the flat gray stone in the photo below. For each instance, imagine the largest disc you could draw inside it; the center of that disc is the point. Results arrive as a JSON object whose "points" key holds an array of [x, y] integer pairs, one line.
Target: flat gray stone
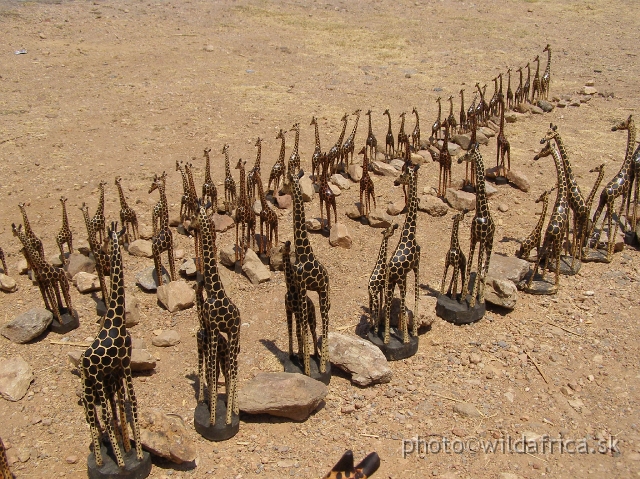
{"points": [[340, 181], [466, 409], [379, 218], [86, 282], [394, 209], [176, 296], [228, 255], [355, 172], [545, 106], [148, 280], [519, 179], [361, 358], [501, 292], [384, 169], [15, 377], [28, 325], [141, 248], [142, 360], [508, 268], [462, 140], [222, 222]]}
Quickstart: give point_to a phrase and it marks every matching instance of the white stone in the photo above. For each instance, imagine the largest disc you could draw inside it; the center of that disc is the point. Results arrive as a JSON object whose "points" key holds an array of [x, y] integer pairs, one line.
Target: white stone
{"points": [[519, 179], [379, 218], [384, 169], [307, 189], [166, 436], [166, 339], [355, 172], [433, 205], [313, 224]]}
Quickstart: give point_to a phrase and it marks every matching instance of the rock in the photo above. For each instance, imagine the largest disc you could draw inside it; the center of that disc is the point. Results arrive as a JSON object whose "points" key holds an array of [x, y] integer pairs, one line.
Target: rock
{"points": [[353, 212], [174, 221], [141, 248], [176, 295], [523, 107], [394, 209], [131, 311], [384, 169], [503, 207], [561, 104], [339, 236], [361, 358], [481, 138], [518, 179], [79, 262], [510, 117], [536, 110], [508, 475], [188, 267], [7, 283], [545, 106], [55, 260], [340, 181], [508, 267], [378, 218], [142, 360], [589, 90], [147, 279], [501, 292], [397, 163], [313, 224], [257, 207], [74, 357], [433, 205], [460, 200], [486, 131], [466, 409], [178, 254], [416, 159], [293, 396], [307, 189], [222, 222], [71, 459], [82, 245], [283, 201], [145, 232], [490, 190], [335, 189], [491, 172], [166, 339], [27, 326], [275, 259], [355, 172], [86, 282], [475, 358], [166, 436], [253, 267], [15, 377], [228, 256], [462, 140], [22, 266]]}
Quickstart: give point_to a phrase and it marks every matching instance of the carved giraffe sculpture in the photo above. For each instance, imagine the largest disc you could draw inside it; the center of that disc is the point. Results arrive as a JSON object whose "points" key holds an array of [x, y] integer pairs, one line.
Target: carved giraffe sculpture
{"points": [[5, 270], [389, 147], [105, 370], [455, 258], [635, 181], [435, 128], [294, 158], [127, 215], [219, 316], [64, 236], [292, 300], [377, 278], [269, 218], [527, 84], [229, 182], [209, 190], [279, 168], [309, 275], [5, 472], [584, 227], [162, 240], [98, 219], [519, 90], [326, 194], [333, 155], [371, 142], [469, 181], [250, 186], [188, 200], [366, 186], [34, 241], [619, 185], [463, 113], [444, 158], [244, 216], [103, 265], [344, 468], [545, 81], [349, 145], [534, 239], [535, 86], [451, 119], [405, 258], [317, 152], [551, 249], [188, 169], [509, 90], [493, 103], [403, 139], [482, 111], [415, 134], [482, 231], [503, 148]]}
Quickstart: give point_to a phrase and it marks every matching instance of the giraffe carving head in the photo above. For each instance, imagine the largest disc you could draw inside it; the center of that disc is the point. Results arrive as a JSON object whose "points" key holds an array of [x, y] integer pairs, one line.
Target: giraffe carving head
{"points": [[544, 195], [314, 121], [258, 142], [63, 199], [547, 48], [552, 133], [546, 151], [408, 173], [240, 165], [280, 135], [389, 231], [286, 248], [114, 233], [225, 148], [357, 112], [345, 117], [207, 151], [599, 169], [363, 151], [84, 207], [118, 180], [386, 112], [158, 181], [623, 125], [17, 230]]}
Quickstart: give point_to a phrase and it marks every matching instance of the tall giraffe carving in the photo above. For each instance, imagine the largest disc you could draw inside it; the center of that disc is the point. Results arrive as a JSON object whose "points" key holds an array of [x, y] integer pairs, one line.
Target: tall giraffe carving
{"points": [[229, 182], [309, 275], [325, 194], [209, 190], [635, 180], [64, 236], [333, 155], [244, 216], [366, 186], [5, 270], [534, 240], [250, 186], [403, 138], [493, 103], [103, 265], [372, 142], [389, 147], [503, 147], [187, 201], [349, 145], [455, 258], [268, 219], [157, 210], [34, 241], [519, 90], [415, 134], [509, 90], [127, 215], [105, 369], [444, 158], [451, 119], [535, 87], [545, 81], [463, 113], [317, 152], [435, 128], [98, 219], [163, 240], [378, 277], [294, 158], [279, 169], [527, 84]]}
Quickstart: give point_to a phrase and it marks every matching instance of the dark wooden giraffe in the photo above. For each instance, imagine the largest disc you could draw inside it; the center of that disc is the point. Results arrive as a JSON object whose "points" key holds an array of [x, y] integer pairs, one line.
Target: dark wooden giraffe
{"points": [[5, 270], [349, 146], [219, 316], [503, 147], [389, 147], [367, 190], [534, 240], [209, 190], [344, 468], [327, 198], [229, 183], [482, 231], [545, 81], [415, 134], [463, 113], [294, 158], [583, 227], [372, 142], [378, 277], [619, 185], [482, 110], [98, 219], [456, 259], [128, 217], [64, 236], [105, 369], [493, 103], [551, 249], [188, 199], [157, 211], [470, 180], [405, 258], [333, 155], [317, 152], [519, 89], [268, 220], [163, 240], [292, 300], [437, 125], [452, 123], [279, 168], [527, 84], [250, 186], [635, 188], [309, 275], [244, 216], [101, 257], [535, 86], [509, 90], [5, 472], [403, 138], [34, 241]]}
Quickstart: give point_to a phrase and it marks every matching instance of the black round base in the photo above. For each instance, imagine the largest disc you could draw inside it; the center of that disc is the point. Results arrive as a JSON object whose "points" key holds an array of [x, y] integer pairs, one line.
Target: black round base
{"points": [[538, 285], [501, 180], [565, 266], [133, 468], [395, 349], [293, 365], [456, 312], [69, 322], [469, 188], [595, 256], [631, 238], [220, 431]]}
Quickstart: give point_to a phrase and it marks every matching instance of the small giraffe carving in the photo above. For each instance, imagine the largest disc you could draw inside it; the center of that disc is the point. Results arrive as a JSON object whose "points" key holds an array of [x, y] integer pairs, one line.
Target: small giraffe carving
{"points": [[534, 239], [527, 84], [482, 110], [268, 218], [463, 113], [372, 142], [279, 169], [535, 87], [64, 236], [493, 103], [415, 134], [100, 256], [294, 158], [455, 258], [503, 147], [333, 155], [5, 472], [229, 182], [344, 468], [634, 187], [435, 128], [244, 216], [509, 90], [519, 90], [377, 278], [349, 145], [584, 226], [188, 200], [163, 240], [317, 152], [405, 258], [127, 215], [5, 270], [105, 369], [209, 190], [156, 212], [98, 219], [389, 147], [451, 119], [34, 241], [326, 194], [366, 186], [545, 81], [403, 138], [444, 158]]}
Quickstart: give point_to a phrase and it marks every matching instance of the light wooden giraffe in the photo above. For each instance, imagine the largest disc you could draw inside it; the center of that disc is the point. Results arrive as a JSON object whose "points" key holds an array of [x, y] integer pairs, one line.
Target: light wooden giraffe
{"points": [[493, 103], [482, 231], [105, 370], [535, 87], [101, 258], [534, 240], [268, 219], [405, 258], [415, 134], [64, 236], [482, 110], [503, 147], [444, 158], [378, 277], [584, 228], [279, 169], [309, 275], [344, 468], [455, 258], [98, 219], [403, 138], [519, 91], [156, 212], [5, 472], [349, 145], [372, 142], [326, 194], [229, 182], [127, 215], [163, 240], [244, 216], [209, 190], [367, 189], [389, 148], [545, 81], [317, 152]]}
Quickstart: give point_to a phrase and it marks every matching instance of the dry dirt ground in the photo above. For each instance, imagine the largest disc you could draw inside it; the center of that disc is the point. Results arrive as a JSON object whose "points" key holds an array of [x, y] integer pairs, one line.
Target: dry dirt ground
{"points": [[127, 88]]}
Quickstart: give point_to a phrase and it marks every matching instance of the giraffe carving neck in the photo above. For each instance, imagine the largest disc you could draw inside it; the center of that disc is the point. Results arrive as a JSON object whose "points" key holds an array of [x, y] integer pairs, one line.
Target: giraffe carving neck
{"points": [[301, 241]]}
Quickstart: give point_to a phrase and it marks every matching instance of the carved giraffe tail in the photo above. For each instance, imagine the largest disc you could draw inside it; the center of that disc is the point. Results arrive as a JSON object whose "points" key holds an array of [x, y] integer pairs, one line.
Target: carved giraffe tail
{"points": [[345, 469]]}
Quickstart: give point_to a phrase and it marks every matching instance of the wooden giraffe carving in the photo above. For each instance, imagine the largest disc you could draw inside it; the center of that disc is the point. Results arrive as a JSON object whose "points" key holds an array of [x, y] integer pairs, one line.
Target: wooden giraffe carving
{"points": [[250, 186], [219, 316], [509, 90], [482, 230], [366, 186], [405, 258], [317, 152], [5, 472], [519, 90], [34, 241], [435, 128], [163, 240], [64, 236], [451, 119], [403, 138], [5, 270], [378, 277], [188, 200], [371, 142], [279, 169], [101, 258], [534, 239], [209, 190], [98, 219], [456, 259], [503, 147], [127, 215], [105, 369], [268, 218], [444, 157], [326, 194], [584, 227], [244, 216], [344, 468], [527, 84], [482, 111], [463, 113], [294, 158], [193, 194], [493, 103], [535, 87], [635, 180], [545, 81], [157, 211], [415, 134], [389, 148], [229, 182], [309, 275], [333, 155], [349, 145]]}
